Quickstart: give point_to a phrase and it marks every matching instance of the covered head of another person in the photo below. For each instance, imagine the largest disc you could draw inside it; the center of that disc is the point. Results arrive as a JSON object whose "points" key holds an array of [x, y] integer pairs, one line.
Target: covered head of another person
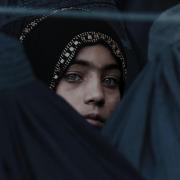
{"points": [[82, 60], [146, 128], [41, 136], [12, 62]]}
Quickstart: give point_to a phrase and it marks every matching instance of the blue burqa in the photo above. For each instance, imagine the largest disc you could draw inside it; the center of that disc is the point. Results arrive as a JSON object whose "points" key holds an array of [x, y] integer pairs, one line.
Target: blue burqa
{"points": [[146, 125]]}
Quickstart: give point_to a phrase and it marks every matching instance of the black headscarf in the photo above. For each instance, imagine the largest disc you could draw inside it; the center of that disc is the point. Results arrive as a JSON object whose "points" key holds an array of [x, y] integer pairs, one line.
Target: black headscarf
{"points": [[13, 25], [52, 44], [41, 136], [146, 127]]}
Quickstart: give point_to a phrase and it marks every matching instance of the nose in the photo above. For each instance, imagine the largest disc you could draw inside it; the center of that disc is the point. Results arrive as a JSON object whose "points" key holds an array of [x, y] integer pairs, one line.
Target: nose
{"points": [[94, 93]]}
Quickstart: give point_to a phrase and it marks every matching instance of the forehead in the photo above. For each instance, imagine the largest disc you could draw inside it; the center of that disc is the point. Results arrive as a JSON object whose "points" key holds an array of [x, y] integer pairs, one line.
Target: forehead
{"points": [[98, 56]]}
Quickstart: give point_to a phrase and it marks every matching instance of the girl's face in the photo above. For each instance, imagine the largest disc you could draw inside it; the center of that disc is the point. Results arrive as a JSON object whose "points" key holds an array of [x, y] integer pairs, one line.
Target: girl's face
{"points": [[91, 84]]}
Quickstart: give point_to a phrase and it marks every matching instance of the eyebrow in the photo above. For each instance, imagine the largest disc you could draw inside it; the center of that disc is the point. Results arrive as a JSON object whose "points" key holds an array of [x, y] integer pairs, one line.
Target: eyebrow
{"points": [[81, 62], [87, 64]]}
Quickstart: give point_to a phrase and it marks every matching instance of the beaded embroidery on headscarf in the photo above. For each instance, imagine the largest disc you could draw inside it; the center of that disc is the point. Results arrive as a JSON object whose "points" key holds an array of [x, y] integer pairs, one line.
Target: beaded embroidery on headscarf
{"points": [[32, 25], [69, 51]]}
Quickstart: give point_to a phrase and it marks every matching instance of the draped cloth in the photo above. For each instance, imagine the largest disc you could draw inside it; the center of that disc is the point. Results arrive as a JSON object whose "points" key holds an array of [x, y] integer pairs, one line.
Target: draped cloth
{"points": [[138, 30], [146, 126], [15, 21], [41, 136]]}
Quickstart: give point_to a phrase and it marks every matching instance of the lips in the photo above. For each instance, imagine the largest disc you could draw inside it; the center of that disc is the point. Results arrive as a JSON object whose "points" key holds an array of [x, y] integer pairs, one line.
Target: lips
{"points": [[95, 120]]}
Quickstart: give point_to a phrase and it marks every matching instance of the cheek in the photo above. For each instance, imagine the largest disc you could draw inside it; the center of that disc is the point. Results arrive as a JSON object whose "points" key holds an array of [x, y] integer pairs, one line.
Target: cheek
{"points": [[112, 100], [71, 95]]}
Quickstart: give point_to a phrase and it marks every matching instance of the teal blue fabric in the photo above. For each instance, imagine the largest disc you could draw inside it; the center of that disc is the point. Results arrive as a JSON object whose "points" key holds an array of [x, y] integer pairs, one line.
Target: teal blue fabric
{"points": [[12, 51], [146, 127]]}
